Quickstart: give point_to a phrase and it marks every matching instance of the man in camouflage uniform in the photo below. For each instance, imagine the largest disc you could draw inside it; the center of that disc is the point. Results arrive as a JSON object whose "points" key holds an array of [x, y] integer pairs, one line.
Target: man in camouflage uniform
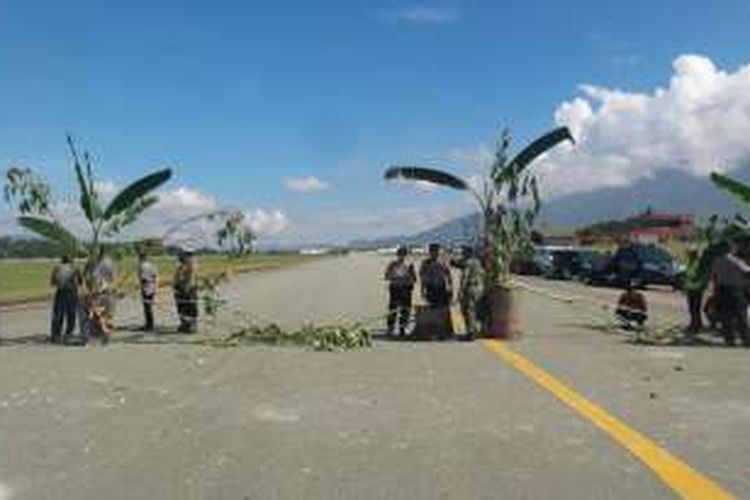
{"points": [[185, 285], [470, 292]]}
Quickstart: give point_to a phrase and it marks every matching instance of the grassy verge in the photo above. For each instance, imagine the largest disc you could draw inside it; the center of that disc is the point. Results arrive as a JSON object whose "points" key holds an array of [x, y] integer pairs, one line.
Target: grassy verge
{"points": [[28, 280]]}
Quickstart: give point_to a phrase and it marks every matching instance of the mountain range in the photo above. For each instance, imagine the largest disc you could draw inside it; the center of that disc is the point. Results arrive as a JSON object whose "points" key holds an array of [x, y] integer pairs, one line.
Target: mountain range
{"points": [[671, 191]]}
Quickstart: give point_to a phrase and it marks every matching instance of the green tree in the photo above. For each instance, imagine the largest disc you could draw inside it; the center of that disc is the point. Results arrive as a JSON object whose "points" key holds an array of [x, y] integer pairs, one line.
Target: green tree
{"points": [[236, 235], [735, 228], [31, 196], [509, 201], [508, 198]]}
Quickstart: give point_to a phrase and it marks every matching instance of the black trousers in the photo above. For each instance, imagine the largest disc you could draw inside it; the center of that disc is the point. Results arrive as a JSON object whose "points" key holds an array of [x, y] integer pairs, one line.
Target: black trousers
{"points": [[148, 310], [695, 303], [399, 307], [629, 316], [64, 311], [732, 309], [438, 296], [187, 309]]}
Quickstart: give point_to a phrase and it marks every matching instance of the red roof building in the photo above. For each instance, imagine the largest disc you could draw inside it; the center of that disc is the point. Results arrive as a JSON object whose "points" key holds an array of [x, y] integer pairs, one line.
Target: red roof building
{"points": [[648, 227], [652, 227]]}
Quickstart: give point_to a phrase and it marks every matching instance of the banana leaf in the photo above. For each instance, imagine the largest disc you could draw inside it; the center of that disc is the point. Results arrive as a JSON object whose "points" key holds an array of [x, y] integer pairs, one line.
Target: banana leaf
{"points": [[137, 190], [88, 202], [50, 230], [733, 187], [129, 216], [426, 175], [540, 146]]}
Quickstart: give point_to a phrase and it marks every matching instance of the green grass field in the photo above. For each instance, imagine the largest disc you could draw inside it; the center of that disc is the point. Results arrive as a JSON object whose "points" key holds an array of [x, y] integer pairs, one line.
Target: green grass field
{"points": [[28, 280]]}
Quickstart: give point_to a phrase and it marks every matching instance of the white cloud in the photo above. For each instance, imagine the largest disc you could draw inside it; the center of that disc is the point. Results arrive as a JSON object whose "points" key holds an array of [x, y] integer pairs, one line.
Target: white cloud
{"points": [[304, 185], [184, 198], [697, 124], [266, 223], [422, 187], [175, 206], [106, 189], [475, 159], [167, 218], [419, 15], [425, 187]]}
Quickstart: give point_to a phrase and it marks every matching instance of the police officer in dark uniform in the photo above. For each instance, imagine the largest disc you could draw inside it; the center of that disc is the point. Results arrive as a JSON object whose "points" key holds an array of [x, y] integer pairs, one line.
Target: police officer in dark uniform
{"points": [[66, 279], [401, 278], [435, 277], [437, 291]]}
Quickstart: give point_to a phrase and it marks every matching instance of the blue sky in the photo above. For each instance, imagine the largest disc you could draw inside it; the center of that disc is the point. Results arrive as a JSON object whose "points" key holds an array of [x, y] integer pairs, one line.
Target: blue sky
{"points": [[239, 96]]}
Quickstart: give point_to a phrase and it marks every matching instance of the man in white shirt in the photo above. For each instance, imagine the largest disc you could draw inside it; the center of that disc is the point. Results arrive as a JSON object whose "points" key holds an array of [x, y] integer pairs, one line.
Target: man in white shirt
{"points": [[148, 277]]}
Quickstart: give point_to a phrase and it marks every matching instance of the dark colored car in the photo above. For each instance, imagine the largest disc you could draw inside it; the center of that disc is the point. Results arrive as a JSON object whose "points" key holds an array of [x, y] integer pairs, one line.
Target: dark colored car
{"points": [[566, 263], [596, 265], [640, 264]]}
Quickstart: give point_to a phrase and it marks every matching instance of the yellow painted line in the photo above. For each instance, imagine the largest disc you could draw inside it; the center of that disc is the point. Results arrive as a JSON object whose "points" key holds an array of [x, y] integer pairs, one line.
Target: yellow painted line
{"points": [[684, 480]]}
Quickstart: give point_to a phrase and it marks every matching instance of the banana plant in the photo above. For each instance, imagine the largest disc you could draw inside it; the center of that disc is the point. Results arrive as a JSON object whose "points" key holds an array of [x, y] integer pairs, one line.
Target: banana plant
{"points": [[737, 189], [32, 197], [737, 227], [508, 198]]}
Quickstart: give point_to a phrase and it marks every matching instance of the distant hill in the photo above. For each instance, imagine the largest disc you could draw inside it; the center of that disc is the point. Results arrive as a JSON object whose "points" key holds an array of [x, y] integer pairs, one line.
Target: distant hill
{"points": [[459, 229], [670, 191]]}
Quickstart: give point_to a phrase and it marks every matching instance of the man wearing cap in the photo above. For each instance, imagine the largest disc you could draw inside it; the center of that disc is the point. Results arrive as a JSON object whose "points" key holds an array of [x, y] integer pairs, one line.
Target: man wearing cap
{"points": [[186, 292], [401, 278]]}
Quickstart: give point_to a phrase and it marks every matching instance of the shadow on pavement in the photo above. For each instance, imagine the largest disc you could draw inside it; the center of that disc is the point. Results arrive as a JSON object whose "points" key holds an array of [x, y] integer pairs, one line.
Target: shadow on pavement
{"points": [[40, 339], [383, 336], [705, 339]]}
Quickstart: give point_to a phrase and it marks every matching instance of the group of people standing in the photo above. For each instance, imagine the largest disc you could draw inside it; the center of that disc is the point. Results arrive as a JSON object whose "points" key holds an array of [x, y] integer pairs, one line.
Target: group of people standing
{"points": [[716, 285], [94, 310], [725, 276], [436, 287]]}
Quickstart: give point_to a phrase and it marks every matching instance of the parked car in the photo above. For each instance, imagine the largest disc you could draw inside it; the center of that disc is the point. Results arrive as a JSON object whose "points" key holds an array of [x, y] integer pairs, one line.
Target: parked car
{"points": [[564, 262], [527, 265], [635, 263]]}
